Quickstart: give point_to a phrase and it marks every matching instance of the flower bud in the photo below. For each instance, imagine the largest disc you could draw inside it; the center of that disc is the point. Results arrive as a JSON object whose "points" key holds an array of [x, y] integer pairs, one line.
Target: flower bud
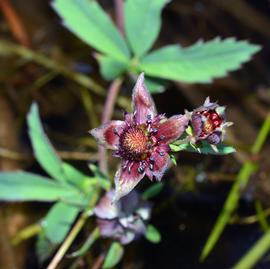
{"points": [[208, 123]]}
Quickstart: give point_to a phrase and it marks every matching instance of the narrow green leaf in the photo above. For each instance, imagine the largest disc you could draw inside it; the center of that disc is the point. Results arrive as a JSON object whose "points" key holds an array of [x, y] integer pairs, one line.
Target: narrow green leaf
{"points": [[153, 190], [231, 202], [152, 234], [43, 149], [24, 186], [58, 221], [142, 23], [114, 255], [204, 148], [228, 208], [87, 20], [255, 253], [87, 244], [201, 62], [110, 68]]}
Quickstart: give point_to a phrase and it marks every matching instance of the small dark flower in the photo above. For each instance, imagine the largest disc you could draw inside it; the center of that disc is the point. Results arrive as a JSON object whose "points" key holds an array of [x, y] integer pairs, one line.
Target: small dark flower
{"points": [[125, 220], [208, 123], [141, 140]]}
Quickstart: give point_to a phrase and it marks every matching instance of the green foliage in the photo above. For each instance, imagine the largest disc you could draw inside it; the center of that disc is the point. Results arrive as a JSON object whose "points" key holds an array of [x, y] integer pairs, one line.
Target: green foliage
{"points": [[44, 247], [111, 68], [44, 152], [74, 177], [142, 23], [155, 85], [87, 244], [58, 221], [200, 62], [152, 234], [255, 253], [114, 255], [203, 148], [233, 197], [89, 22], [24, 186]]}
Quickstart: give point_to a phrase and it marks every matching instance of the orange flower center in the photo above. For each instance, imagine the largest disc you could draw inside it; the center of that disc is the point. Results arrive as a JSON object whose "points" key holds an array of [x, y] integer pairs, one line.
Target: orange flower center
{"points": [[134, 143]]}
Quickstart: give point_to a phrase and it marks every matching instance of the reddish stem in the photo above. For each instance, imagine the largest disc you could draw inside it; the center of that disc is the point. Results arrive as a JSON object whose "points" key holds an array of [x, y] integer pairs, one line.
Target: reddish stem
{"points": [[119, 6], [15, 23], [106, 116]]}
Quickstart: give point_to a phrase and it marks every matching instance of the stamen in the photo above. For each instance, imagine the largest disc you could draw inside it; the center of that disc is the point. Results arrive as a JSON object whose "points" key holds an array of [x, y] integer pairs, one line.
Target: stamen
{"points": [[161, 153], [129, 168], [115, 131], [151, 167], [162, 137], [141, 169], [154, 130], [149, 119], [152, 159]]}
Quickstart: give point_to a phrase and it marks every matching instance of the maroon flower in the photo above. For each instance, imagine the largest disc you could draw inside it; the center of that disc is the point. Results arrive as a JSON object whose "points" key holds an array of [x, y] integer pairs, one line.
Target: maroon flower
{"points": [[209, 123], [141, 140], [125, 220]]}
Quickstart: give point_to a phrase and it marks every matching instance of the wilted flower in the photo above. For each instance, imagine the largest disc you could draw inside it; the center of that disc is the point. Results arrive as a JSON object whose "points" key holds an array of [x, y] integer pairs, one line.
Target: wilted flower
{"points": [[141, 140], [209, 123], [125, 220]]}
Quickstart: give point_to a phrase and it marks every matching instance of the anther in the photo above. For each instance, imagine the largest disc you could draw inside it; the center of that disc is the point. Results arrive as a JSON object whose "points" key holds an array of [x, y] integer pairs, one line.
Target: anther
{"points": [[115, 131], [154, 130], [140, 169], [161, 153], [151, 167], [162, 137], [152, 159]]}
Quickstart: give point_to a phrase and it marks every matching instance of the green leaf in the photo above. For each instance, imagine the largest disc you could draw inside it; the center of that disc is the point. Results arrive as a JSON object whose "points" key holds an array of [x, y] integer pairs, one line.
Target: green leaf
{"points": [[201, 62], [142, 23], [114, 255], [152, 234], [204, 148], [87, 20], [255, 253], [173, 159], [43, 149], [44, 247], [100, 178], [110, 68], [58, 221], [24, 186], [155, 85], [74, 176], [153, 190]]}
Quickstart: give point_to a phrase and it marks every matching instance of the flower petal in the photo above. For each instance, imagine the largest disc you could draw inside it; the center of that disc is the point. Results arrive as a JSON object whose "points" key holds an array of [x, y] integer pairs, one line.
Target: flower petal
{"points": [[105, 209], [108, 133], [130, 203], [143, 104], [126, 180], [214, 138], [161, 162], [197, 124], [172, 128]]}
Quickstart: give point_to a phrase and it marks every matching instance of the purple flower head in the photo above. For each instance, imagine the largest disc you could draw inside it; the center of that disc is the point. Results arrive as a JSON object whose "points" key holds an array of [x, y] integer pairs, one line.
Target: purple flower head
{"points": [[209, 123], [141, 140], [125, 220]]}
